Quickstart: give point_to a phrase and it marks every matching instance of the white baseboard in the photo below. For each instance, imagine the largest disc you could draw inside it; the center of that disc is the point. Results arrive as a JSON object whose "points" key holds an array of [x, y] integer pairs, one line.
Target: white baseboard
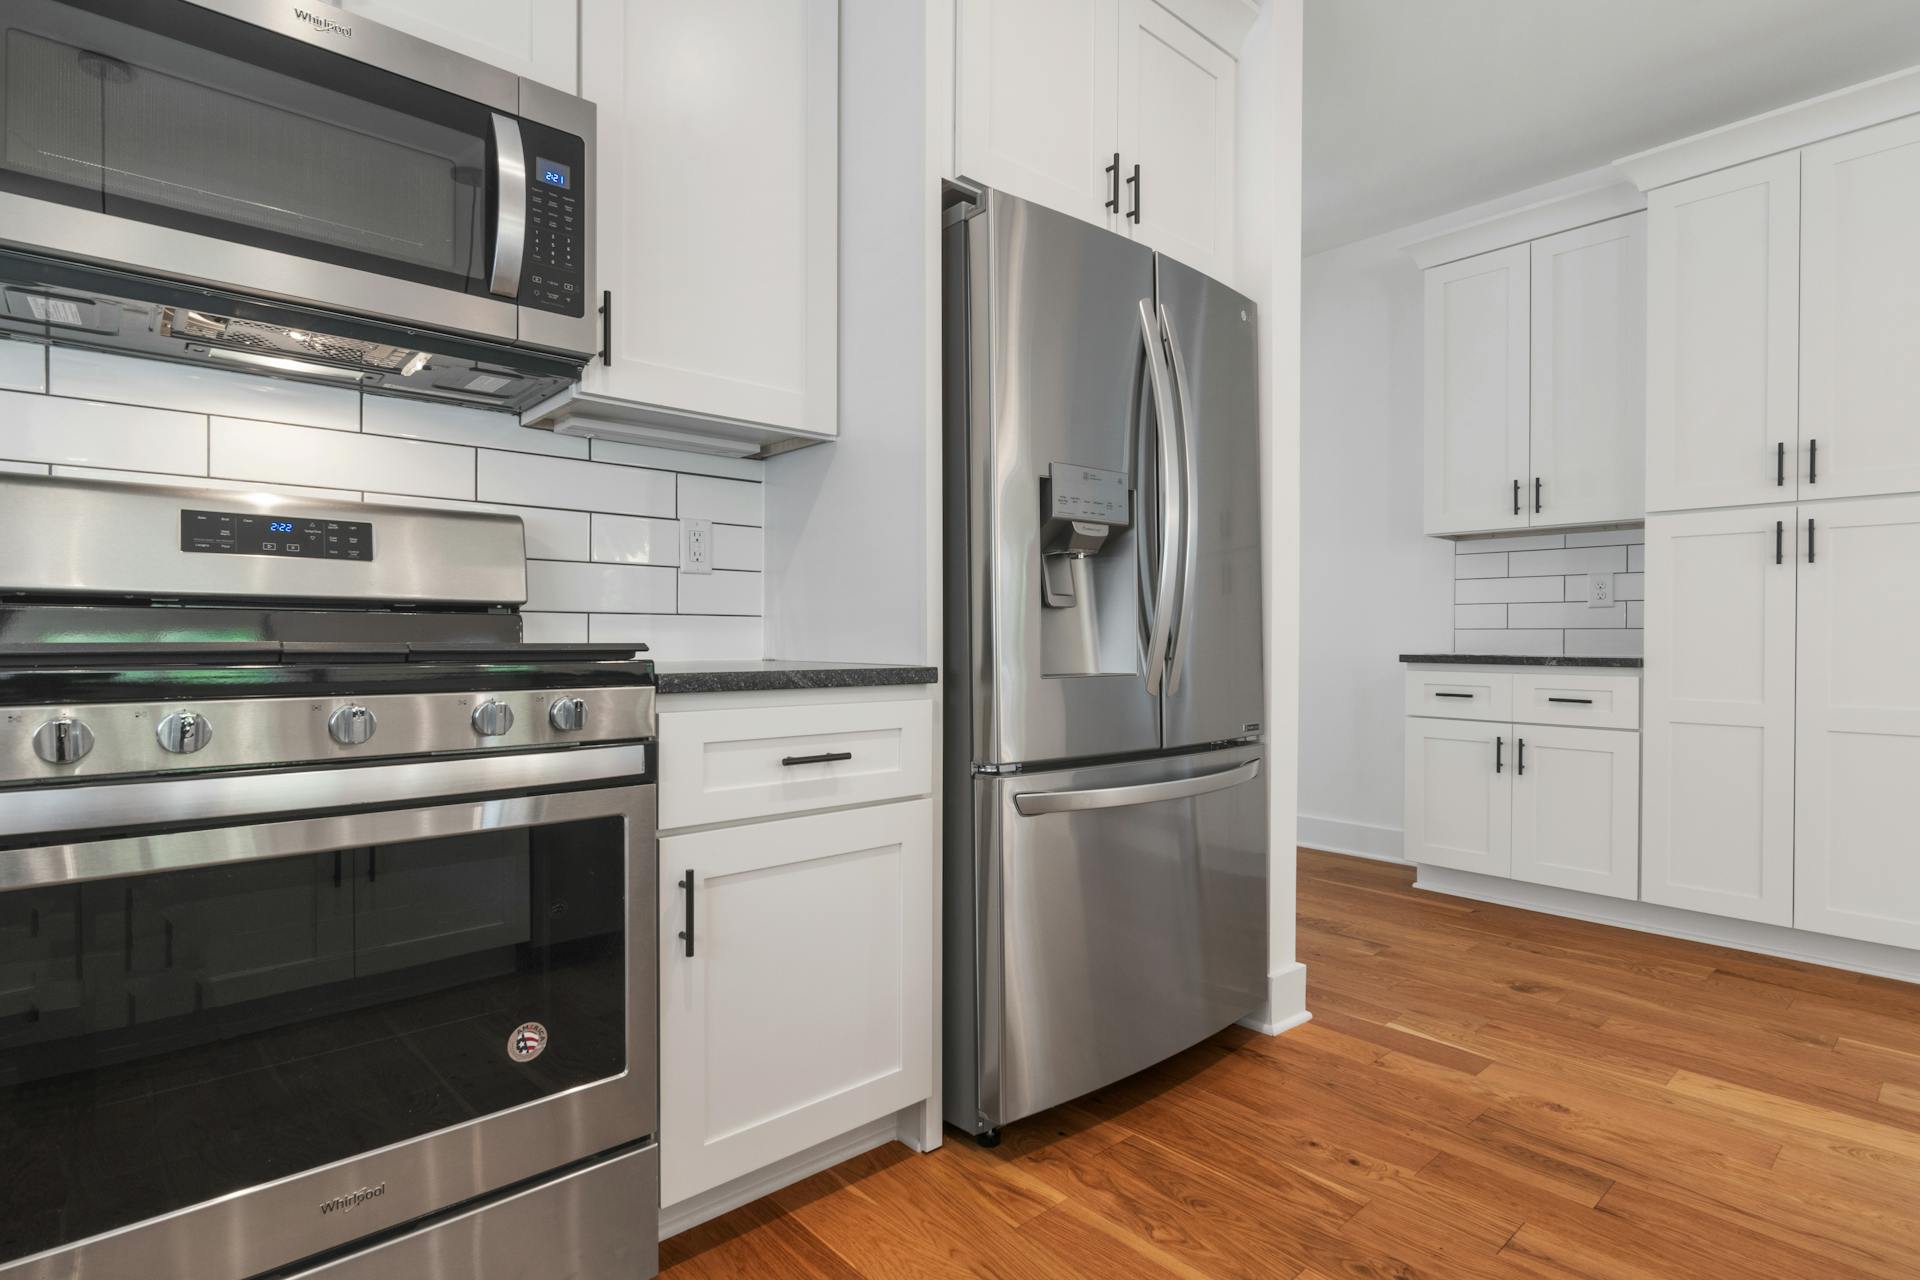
{"points": [[1671, 922], [1286, 1006], [1382, 844], [694, 1210]]}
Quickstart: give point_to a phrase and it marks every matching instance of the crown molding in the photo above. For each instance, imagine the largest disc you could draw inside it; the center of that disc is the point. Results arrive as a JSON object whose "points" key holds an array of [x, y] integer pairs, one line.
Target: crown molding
{"points": [[1591, 197], [1783, 129]]}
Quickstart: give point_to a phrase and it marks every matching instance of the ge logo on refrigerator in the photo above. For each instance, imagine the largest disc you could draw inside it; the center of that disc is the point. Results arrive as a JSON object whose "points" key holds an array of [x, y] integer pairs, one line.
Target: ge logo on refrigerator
{"points": [[528, 1041]]}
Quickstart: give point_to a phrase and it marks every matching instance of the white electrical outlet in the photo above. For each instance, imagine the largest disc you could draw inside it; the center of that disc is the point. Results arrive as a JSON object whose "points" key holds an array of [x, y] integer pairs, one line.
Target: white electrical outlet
{"points": [[1599, 590], [696, 546]]}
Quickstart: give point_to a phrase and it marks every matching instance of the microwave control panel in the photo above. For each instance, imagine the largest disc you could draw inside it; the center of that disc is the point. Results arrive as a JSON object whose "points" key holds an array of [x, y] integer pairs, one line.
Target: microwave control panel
{"points": [[299, 537], [553, 273]]}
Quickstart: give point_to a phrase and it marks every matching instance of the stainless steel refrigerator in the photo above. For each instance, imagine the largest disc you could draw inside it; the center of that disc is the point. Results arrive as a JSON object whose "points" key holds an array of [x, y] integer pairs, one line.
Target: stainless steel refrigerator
{"points": [[1106, 813]]}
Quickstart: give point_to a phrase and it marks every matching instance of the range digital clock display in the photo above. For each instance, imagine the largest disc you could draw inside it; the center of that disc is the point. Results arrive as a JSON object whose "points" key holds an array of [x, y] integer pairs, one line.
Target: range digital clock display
{"points": [[299, 538]]}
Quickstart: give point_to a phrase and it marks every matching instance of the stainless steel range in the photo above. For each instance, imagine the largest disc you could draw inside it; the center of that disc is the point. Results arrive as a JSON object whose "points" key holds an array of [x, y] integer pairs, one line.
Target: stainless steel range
{"points": [[327, 906]]}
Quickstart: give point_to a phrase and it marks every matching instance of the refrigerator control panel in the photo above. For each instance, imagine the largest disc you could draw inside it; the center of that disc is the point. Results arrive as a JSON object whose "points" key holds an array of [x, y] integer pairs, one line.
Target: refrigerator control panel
{"points": [[1088, 493]]}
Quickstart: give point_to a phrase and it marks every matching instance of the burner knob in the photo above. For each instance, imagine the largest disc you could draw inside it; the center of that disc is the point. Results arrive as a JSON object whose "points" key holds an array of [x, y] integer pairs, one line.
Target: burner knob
{"points": [[492, 718], [351, 725], [184, 732], [62, 741], [568, 715]]}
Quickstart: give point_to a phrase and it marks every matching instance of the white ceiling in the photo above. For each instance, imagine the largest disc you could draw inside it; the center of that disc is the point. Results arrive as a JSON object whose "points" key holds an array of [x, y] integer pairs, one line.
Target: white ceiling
{"points": [[1416, 108]]}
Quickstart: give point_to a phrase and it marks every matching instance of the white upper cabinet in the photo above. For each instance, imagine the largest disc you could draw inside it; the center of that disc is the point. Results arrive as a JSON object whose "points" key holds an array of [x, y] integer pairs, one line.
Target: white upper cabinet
{"points": [[1477, 339], [1114, 111], [1176, 125], [1856, 864], [712, 114], [1719, 721], [1723, 323], [538, 39], [1034, 101], [1589, 360], [1860, 313]]}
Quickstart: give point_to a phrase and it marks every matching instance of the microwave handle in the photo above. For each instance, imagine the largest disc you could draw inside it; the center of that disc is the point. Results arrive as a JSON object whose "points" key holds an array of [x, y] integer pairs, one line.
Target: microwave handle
{"points": [[510, 209]]}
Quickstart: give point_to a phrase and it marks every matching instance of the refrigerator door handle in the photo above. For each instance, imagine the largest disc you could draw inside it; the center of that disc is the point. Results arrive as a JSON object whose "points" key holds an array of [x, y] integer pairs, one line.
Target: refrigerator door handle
{"points": [[1172, 499], [1183, 623], [1031, 804]]}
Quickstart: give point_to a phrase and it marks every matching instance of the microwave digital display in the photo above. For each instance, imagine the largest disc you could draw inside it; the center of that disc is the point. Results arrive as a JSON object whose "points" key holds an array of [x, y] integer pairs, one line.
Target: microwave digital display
{"points": [[554, 175]]}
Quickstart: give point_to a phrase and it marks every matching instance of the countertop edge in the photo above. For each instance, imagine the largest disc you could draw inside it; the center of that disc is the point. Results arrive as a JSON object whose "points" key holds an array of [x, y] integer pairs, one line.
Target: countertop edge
{"points": [[1521, 660], [824, 677]]}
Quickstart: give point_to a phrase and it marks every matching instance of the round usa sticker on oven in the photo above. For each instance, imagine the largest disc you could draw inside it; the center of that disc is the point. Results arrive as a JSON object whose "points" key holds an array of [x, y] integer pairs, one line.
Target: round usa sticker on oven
{"points": [[528, 1041]]}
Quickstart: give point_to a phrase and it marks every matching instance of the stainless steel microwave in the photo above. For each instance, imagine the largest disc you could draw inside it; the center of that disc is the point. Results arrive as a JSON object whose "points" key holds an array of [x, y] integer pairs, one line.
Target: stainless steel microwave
{"points": [[293, 160]]}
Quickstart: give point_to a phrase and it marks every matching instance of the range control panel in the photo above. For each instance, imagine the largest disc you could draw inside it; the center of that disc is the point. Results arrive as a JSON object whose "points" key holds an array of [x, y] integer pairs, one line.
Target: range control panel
{"points": [[301, 537]]}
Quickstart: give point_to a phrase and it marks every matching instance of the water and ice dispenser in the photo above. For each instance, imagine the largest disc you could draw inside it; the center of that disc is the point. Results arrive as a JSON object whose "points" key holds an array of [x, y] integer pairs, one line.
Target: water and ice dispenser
{"points": [[1087, 578]]}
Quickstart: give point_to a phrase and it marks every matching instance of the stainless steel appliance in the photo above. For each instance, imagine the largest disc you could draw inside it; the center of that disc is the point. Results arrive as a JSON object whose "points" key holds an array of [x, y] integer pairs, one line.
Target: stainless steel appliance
{"points": [[327, 906], [290, 187], [1106, 843]]}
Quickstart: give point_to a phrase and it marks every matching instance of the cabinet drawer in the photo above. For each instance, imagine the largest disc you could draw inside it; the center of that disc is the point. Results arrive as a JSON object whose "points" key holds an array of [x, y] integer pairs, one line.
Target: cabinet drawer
{"points": [[1562, 697], [1460, 695], [756, 762]]}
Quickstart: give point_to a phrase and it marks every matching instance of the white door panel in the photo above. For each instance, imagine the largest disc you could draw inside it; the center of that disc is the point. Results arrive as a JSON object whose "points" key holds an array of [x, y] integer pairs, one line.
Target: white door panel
{"points": [[1459, 795], [1576, 809], [1177, 105], [538, 39], [1478, 476]]}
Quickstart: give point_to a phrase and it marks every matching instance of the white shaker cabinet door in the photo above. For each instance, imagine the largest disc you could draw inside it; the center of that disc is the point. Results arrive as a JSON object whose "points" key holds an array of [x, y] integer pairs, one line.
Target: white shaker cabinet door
{"points": [[1478, 476], [1034, 102], [1176, 92], [538, 39], [1459, 795], [1717, 831], [1576, 809], [1860, 313], [1723, 324], [1589, 426], [801, 1006], [1857, 847]]}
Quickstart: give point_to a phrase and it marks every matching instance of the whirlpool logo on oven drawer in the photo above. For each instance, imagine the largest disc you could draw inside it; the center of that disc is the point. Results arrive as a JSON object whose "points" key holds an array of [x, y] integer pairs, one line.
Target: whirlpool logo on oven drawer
{"points": [[324, 25], [353, 1199]]}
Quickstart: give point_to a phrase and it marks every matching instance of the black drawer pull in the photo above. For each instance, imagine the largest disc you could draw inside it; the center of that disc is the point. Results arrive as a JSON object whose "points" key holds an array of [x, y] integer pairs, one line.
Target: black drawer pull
{"points": [[687, 933], [1585, 702], [825, 757], [1453, 695]]}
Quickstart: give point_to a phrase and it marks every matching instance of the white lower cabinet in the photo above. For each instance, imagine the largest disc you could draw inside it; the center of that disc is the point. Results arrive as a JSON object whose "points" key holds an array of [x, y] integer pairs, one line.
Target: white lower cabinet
{"points": [[795, 986], [1576, 809], [1459, 795]]}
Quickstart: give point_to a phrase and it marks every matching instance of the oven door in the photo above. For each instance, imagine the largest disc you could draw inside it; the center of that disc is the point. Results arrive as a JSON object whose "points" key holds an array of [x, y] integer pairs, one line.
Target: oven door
{"points": [[309, 156], [229, 1045]]}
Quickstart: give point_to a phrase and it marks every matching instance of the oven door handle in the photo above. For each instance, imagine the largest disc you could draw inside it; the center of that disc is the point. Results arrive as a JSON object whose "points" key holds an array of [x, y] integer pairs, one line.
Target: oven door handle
{"points": [[510, 206]]}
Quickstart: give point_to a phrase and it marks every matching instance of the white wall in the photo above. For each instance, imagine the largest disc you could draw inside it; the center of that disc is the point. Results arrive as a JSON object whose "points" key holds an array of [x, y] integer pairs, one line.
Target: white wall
{"points": [[848, 524], [601, 566]]}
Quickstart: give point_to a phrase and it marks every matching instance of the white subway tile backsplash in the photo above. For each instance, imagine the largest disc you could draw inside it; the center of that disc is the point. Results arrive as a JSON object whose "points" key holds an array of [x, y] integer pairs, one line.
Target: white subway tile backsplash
{"points": [[1486, 542], [1629, 586], [457, 424], [1573, 614], [208, 482], [23, 366], [1506, 590], [554, 628], [585, 486], [244, 450], [1636, 614], [94, 375], [1480, 566], [1637, 559], [47, 429], [551, 535], [696, 464], [555, 586], [1575, 560], [685, 638], [636, 540], [737, 546], [720, 592], [1530, 643], [1467, 616], [1618, 643], [727, 501]]}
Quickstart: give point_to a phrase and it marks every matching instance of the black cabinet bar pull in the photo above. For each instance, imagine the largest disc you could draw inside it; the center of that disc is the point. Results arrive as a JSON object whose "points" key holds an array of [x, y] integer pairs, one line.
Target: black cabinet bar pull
{"points": [[825, 757], [1780, 465], [1498, 744], [1536, 495], [1585, 702], [1453, 695], [1516, 497], [606, 326], [1134, 182], [1813, 462], [1519, 756], [1809, 539], [1779, 541], [686, 934], [1113, 184]]}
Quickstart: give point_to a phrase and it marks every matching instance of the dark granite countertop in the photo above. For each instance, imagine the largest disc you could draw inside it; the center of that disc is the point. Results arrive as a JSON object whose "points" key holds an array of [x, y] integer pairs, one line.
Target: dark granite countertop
{"points": [[754, 677], [1520, 660]]}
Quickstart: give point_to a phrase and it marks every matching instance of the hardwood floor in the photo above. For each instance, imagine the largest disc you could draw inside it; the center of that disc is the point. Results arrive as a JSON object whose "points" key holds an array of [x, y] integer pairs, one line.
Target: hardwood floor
{"points": [[1483, 1093]]}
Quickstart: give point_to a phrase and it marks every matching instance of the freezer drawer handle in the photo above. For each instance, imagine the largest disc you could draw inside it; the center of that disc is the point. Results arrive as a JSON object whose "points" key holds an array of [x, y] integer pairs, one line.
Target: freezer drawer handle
{"points": [[825, 757], [1031, 804]]}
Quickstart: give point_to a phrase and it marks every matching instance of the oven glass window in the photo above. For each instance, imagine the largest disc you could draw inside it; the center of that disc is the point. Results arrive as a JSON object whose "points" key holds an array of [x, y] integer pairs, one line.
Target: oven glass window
{"points": [[169, 1038], [168, 113]]}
